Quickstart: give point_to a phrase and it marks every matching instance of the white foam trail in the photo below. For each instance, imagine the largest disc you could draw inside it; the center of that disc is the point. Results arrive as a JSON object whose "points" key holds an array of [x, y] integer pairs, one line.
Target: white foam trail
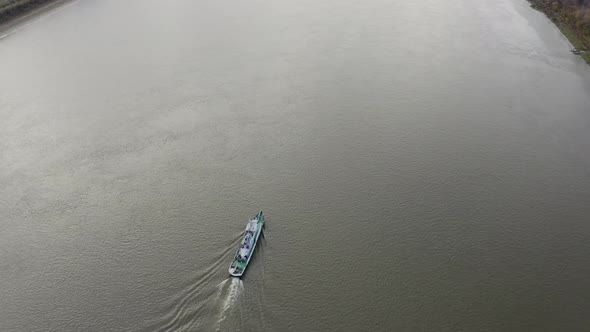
{"points": [[229, 299], [220, 287]]}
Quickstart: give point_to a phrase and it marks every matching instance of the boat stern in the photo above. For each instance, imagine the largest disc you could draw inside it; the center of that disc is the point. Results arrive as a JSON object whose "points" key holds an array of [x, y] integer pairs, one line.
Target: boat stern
{"points": [[235, 272], [236, 269]]}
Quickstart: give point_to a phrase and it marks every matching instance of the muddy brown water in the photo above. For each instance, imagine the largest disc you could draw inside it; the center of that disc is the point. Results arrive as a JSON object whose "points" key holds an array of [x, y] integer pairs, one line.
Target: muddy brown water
{"points": [[423, 166]]}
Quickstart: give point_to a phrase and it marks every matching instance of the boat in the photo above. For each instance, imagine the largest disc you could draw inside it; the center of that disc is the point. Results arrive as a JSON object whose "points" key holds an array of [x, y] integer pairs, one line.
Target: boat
{"points": [[247, 245]]}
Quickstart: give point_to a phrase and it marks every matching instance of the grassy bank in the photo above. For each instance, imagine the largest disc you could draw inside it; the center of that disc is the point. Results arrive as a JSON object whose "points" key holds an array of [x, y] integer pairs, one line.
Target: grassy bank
{"points": [[572, 18], [11, 9]]}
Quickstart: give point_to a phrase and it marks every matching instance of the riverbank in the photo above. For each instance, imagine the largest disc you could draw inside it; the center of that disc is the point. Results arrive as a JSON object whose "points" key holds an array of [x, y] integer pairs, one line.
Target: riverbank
{"points": [[573, 21], [11, 9], [13, 12]]}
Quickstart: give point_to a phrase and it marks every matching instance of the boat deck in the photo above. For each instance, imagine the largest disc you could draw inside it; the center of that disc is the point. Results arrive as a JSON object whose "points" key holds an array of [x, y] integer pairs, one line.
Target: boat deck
{"points": [[252, 233]]}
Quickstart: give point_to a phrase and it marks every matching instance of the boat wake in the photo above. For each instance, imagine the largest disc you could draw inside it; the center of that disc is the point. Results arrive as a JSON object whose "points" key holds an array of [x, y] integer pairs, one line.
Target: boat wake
{"points": [[200, 297], [229, 292]]}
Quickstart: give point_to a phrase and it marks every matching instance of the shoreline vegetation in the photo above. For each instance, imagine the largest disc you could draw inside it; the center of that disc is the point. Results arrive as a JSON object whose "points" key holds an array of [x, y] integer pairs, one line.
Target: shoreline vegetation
{"points": [[572, 17], [14, 12], [12, 9]]}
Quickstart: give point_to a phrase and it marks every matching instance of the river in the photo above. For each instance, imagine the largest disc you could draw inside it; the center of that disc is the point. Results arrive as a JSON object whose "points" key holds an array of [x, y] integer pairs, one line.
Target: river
{"points": [[423, 166]]}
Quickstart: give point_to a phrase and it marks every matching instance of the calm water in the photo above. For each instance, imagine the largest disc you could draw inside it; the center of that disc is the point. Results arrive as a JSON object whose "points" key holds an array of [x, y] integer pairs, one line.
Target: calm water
{"points": [[423, 165]]}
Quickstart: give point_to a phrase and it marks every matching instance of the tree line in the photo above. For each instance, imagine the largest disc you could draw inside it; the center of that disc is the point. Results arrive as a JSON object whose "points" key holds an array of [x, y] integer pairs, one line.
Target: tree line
{"points": [[572, 17], [575, 13]]}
